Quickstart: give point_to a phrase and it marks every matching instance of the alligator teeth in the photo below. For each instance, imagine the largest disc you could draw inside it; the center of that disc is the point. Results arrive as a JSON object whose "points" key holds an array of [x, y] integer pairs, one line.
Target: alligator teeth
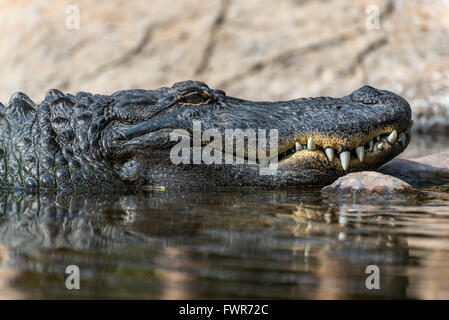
{"points": [[402, 138], [310, 145], [345, 157], [329, 153], [380, 146], [392, 137], [360, 150]]}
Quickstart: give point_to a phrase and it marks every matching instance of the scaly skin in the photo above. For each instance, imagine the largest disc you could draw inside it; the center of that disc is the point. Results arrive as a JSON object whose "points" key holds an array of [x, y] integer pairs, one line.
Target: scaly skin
{"points": [[108, 142]]}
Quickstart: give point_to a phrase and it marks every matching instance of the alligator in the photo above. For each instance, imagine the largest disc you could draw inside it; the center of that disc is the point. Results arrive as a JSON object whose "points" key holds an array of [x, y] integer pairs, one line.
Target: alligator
{"points": [[87, 141]]}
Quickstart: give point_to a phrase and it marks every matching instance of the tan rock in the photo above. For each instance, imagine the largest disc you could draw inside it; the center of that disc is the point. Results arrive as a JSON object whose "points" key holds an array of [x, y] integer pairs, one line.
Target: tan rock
{"points": [[255, 49], [370, 185], [428, 94]]}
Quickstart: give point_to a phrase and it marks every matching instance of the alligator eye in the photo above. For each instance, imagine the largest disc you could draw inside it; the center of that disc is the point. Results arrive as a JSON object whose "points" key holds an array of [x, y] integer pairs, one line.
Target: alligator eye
{"points": [[196, 97]]}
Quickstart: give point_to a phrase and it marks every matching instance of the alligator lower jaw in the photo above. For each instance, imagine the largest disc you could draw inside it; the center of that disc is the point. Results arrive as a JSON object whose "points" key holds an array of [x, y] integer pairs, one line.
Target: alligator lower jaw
{"points": [[364, 157]]}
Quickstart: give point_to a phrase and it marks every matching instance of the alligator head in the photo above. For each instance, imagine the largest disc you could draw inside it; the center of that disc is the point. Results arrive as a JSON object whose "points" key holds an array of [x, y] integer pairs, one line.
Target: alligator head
{"points": [[129, 138]]}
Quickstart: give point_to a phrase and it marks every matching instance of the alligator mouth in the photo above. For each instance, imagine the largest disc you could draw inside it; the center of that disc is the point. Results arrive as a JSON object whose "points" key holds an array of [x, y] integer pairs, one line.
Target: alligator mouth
{"points": [[377, 148], [370, 154]]}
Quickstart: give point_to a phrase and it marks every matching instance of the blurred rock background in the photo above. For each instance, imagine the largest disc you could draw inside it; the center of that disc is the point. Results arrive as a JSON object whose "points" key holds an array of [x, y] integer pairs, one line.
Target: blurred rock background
{"points": [[253, 49]]}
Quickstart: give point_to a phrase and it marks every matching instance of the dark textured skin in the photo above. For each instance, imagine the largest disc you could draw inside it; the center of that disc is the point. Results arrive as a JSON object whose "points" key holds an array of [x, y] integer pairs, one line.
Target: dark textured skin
{"points": [[108, 142]]}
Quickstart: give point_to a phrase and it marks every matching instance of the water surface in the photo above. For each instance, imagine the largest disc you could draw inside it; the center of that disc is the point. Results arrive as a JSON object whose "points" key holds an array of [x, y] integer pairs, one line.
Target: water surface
{"points": [[231, 243]]}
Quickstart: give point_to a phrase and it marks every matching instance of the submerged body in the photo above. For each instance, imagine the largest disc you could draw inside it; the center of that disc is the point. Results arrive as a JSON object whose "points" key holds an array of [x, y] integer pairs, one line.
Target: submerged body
{"points": [[125, 139]]}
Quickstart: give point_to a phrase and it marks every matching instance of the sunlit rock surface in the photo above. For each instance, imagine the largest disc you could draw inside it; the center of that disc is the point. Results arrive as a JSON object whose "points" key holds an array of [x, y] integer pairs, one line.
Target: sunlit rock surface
{"points": [[252, 49], [370, 185]]}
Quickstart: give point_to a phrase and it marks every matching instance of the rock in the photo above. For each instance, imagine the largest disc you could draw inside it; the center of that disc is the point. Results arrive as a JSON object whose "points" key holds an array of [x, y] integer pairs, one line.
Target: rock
{"points": [[428, 95], [274, 50], [395, 180], [425, 171], [370, 185]]}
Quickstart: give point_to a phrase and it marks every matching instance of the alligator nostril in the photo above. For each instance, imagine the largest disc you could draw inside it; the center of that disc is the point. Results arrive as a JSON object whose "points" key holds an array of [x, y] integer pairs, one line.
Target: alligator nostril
{"points": [[366, 95]]}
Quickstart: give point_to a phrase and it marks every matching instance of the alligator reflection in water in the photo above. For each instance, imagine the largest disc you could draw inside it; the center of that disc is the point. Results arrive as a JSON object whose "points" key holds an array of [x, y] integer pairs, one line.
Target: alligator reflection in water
{"points": [[220, 244]]}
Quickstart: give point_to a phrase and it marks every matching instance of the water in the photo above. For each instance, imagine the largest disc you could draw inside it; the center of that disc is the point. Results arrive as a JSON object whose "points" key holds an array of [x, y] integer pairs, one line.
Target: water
{"points": [[232, 243]]}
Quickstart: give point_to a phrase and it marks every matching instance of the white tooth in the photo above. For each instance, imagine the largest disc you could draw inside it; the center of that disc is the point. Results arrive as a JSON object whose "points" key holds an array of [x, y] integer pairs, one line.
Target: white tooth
{"points": [[378, 138], [329, 153], [371, 145], [345, 157], [380, 146], [310, 144], [298, 146], [392, 137], [402, 138], [360, 150]]}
